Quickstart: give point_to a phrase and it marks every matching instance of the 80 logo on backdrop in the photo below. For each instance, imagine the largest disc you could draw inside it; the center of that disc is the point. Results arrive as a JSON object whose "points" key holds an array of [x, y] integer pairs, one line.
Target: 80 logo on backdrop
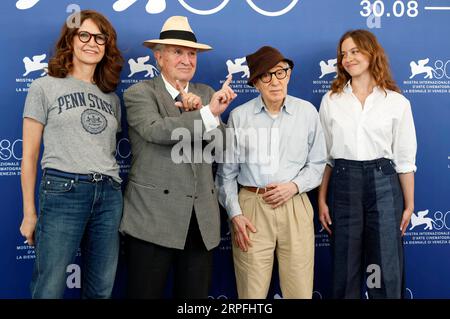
{"points": [[10, 149]]}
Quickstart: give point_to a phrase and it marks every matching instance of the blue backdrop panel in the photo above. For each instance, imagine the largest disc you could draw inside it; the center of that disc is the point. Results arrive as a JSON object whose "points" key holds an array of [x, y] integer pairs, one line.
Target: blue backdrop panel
{"points": [[414, 34]]}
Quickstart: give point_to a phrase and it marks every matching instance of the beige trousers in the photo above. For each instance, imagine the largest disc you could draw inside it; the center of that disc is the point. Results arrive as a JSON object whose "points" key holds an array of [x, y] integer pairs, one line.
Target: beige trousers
{"points": [[287, 231]]}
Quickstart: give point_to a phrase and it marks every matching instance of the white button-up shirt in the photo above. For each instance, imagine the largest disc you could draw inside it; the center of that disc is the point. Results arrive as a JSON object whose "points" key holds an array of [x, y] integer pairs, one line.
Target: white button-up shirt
{"points": [[383, 128]]}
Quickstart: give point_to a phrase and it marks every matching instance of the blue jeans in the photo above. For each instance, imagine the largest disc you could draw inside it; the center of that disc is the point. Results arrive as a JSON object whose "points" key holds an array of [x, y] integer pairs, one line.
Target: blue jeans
{"points": [[366, 206], [74, 213]]}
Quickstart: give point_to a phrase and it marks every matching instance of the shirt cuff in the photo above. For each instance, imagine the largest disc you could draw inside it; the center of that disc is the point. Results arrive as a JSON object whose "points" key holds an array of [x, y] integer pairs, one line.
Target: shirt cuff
{"points": [[299, 186], [330, 162], [405, 168], [209, 120], [233, 210]]}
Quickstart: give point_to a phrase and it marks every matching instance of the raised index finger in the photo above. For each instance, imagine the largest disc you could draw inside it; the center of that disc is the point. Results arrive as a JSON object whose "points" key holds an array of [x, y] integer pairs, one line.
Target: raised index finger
{"points": [[179, 88], [227, 81]]}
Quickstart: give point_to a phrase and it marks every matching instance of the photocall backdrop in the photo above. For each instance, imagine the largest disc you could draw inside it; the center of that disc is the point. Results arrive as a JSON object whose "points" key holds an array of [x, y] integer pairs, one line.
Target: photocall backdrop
{"points": [[415, 35]]}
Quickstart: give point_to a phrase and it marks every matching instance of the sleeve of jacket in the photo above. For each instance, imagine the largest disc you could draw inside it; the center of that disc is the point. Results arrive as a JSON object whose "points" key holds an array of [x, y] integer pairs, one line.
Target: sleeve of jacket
{"points": [[310, 176], [227, 173], [143, 115]]}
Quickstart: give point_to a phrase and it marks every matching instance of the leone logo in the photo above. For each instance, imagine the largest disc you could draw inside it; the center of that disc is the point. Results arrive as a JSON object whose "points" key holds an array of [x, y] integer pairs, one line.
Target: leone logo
{"points": [[237, 67], [26, 4], [93, 121], [152, 7], [140, 66], [328, 68], [421, 67], [35, 64], [420, 219]]}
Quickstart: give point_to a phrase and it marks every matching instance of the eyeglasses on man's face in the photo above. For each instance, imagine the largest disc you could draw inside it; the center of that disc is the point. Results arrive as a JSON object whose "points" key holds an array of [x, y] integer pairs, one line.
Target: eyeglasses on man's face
{"points": [[99, 38], [280, 74]]}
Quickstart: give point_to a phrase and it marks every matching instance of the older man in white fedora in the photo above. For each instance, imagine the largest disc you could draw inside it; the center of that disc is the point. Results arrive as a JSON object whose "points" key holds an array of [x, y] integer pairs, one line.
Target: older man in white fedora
{"points": [[171, 215]]}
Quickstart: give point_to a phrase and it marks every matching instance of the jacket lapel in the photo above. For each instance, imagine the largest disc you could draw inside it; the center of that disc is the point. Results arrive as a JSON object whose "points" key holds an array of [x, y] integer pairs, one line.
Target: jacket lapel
{"points": [[166, 100], [193, 89], [169, 105]]}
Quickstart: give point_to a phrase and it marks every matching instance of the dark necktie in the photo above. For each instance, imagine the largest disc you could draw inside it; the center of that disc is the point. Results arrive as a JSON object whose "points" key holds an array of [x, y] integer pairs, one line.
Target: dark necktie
{"points": [[179, 99]]}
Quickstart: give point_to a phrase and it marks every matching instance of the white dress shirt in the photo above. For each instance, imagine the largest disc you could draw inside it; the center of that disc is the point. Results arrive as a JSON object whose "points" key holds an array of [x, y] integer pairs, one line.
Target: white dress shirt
{"points": [[209, 120], [383, 128]]}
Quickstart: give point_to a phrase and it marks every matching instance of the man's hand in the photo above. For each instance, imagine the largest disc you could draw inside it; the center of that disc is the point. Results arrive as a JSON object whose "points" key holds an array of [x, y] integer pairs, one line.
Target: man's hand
{"points": [[189, 101], [279, 194], [240, 225], [222, 98]]}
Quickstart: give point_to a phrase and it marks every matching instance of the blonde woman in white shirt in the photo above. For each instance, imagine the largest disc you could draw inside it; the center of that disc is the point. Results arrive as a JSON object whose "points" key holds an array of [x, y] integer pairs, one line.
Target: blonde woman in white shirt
{"points": [[366, 198]]}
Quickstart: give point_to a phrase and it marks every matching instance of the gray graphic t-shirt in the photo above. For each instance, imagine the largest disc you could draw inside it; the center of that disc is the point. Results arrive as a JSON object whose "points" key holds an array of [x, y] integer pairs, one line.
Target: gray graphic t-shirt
{"points": [[80, 125]]}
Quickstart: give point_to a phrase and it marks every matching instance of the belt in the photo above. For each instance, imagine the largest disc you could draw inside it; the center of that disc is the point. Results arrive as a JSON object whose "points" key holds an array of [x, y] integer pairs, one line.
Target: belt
{"points": [[93, 178], [376, 162], [257, 190]]}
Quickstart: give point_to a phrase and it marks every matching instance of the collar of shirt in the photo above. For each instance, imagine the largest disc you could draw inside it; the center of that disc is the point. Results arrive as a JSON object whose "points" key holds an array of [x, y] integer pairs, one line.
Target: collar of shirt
{"points": [[173, 91], [259, 105], [376, 90]]}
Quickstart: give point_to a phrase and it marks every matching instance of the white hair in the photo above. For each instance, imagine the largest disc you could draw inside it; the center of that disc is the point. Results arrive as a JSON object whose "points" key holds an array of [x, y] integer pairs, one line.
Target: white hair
{"points": [[159, 47]]}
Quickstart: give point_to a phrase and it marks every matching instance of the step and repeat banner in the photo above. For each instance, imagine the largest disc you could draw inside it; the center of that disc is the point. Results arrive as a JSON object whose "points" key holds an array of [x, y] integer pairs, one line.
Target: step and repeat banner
{"points": [[414, 33]]}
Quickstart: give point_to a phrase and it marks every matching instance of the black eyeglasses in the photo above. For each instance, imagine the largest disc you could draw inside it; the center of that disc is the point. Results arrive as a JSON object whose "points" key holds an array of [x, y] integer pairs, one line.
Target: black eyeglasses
{"points": [[99, 38], [279, 74]]}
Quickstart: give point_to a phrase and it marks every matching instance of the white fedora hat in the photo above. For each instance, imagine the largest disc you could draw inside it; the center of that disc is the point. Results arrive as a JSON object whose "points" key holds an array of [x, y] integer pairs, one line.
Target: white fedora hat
{"points": [[177, 31]]}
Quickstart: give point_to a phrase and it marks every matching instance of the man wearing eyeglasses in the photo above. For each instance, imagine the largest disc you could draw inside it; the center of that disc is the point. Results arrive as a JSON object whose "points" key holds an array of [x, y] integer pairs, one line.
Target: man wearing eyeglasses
{"points": [[278, 154]]}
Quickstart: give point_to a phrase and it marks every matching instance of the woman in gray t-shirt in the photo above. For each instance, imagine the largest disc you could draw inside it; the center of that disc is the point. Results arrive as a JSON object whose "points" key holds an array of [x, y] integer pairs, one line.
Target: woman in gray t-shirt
{"points": [[76, 113]]}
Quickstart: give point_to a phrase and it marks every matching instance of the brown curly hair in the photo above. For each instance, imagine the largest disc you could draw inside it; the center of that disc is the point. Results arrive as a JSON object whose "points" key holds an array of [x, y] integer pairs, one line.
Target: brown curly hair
{"points": [[107, 72], [368, 44]]}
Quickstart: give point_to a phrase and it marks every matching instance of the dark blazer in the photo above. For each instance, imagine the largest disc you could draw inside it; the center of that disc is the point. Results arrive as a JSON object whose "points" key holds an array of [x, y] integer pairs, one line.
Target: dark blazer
{"points": [[161, 195]]}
